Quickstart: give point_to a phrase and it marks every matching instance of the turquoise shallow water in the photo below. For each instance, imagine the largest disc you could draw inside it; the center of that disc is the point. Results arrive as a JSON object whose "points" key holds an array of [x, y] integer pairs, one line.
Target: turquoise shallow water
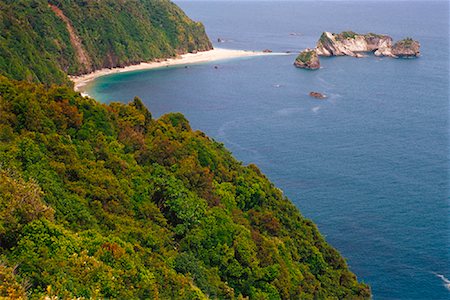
{"points": [[369, 165]]}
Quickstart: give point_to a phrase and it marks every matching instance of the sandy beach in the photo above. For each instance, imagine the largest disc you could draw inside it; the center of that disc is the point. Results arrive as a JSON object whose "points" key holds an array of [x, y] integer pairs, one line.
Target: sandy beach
{"points": [[185, 59]]}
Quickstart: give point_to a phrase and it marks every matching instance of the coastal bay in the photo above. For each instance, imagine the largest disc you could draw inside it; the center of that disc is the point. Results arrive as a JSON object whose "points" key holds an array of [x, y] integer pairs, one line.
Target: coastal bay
{"points": [[216, 54]]}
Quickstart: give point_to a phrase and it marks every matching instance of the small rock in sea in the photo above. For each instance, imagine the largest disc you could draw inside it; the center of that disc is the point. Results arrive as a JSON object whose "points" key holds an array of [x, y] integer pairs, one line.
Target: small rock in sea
{"points": [[267, 51], [219, 40], [186, 67], [317, 95], [216, 67]]}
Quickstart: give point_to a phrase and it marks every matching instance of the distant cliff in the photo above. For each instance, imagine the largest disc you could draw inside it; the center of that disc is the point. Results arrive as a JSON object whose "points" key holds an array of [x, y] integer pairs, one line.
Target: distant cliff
{"points": [[350, 43], [43, 41], [353, 44]]}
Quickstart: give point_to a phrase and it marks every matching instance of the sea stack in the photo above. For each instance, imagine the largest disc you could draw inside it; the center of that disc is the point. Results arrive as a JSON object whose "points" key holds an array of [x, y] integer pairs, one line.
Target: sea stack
{"points": [[308, 59], [406, 48]]}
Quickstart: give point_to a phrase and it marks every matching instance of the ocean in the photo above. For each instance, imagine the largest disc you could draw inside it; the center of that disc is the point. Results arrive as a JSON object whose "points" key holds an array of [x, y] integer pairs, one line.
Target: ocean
{"points": [[369, 165]]}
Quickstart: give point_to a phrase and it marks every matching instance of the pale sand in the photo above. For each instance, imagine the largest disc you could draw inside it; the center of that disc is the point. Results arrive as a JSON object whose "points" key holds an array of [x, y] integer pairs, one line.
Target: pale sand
{"points": [[185, 59]]}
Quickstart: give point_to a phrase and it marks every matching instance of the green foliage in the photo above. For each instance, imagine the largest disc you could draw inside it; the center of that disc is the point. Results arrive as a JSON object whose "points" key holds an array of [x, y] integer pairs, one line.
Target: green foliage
{"points": [[406, 43], [374, 35], [35, 43], [10, 288], [306, 56], [345, 35], [103, 201]]}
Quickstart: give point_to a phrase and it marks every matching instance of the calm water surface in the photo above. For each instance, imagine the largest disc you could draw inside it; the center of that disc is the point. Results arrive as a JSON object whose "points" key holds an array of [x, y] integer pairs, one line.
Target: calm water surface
{"points": [[369, 165]]}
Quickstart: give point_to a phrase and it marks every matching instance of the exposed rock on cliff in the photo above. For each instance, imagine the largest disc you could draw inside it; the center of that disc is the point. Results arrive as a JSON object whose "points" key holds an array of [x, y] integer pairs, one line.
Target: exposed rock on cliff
{"points": [[307, 59], [351, 44]]}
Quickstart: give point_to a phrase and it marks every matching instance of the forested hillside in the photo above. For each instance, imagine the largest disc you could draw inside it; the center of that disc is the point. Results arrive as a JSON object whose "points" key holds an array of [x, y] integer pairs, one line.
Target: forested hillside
{"points": [[104, 201], [44, 40]]}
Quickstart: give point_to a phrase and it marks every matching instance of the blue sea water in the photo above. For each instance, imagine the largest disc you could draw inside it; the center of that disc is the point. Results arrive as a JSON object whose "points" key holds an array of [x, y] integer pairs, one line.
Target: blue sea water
{"points": [[369, 165]]}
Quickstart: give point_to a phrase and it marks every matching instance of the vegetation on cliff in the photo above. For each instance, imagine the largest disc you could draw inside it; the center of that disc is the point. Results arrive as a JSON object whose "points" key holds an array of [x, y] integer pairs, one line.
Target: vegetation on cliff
{"points": [[103, 201], [406, 48], [44, 40], [307, 59]]}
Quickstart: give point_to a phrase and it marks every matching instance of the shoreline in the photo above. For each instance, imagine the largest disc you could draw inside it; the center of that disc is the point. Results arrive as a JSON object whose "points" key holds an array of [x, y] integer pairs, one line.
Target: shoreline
{"points": [[184, 59]]}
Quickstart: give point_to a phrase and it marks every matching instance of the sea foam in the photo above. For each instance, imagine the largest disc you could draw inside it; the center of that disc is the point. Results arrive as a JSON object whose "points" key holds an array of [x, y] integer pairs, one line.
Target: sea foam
{"points": [[445, 281]]}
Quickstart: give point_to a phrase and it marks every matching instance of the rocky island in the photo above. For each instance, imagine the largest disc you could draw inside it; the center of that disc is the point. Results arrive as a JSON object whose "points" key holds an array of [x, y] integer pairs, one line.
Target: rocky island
{"points": [[308, 59], [351, 44], [354, 44], [406, 48]]}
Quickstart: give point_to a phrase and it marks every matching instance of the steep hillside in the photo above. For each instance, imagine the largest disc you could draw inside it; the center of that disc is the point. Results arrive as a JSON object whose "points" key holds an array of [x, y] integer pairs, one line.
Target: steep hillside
{"points": [[103, 201], [44, 40]]}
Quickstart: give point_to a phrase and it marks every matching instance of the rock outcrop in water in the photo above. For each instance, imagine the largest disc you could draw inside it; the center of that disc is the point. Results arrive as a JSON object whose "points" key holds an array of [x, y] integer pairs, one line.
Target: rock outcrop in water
{"points": [[308, 59], [406, 48], [317, 95], [353, 44], [350, 43]]}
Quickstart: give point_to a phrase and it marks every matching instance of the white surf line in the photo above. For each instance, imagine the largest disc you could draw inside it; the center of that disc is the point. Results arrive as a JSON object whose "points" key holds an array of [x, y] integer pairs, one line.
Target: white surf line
{"points": [[445, 280]]}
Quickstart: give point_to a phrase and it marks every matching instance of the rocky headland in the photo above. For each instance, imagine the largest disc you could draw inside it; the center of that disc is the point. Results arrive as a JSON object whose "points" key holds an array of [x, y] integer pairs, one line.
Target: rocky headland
{"points": [[349, 43]]}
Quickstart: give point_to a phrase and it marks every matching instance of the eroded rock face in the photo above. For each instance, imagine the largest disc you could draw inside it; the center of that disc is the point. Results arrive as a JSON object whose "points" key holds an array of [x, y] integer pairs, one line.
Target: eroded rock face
{"points": [[351, 44], [406, 48], [308, 59]]}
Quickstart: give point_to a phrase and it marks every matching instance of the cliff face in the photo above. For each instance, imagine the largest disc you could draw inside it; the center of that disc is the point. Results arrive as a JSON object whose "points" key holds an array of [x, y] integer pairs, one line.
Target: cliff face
{"points": [[44, 40], [351, 44], [307, 59]]}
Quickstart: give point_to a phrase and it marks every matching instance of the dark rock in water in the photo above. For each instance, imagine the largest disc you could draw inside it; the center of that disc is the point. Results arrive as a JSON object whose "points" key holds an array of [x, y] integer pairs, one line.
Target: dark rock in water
{"points": [[216, 67], [219, 40], [267, 51], [317, 95], [307, 59], [406, 48]]}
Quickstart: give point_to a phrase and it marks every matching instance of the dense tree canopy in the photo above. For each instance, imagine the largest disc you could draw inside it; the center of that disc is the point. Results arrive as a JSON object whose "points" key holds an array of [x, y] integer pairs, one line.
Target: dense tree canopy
{"points": [[101, 201]]}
